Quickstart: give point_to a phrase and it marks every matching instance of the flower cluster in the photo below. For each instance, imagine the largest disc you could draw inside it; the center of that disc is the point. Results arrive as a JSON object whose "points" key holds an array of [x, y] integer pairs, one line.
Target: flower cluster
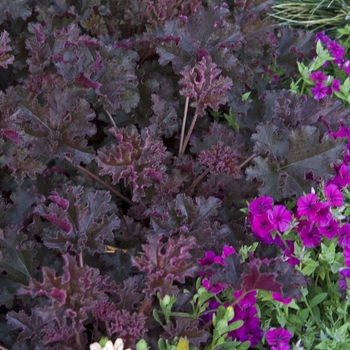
{"points": [[210, 259], [331, 57], [221, 158]]}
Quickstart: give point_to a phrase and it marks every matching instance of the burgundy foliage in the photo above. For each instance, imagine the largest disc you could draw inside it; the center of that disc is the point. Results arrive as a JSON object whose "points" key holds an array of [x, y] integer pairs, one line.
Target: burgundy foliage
{"points": [[99, 210]]}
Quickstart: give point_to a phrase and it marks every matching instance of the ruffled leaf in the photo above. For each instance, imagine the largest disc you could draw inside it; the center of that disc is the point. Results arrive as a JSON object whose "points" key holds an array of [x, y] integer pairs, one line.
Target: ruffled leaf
{"points": [[137, 159], [83, 219], [306, 158]]}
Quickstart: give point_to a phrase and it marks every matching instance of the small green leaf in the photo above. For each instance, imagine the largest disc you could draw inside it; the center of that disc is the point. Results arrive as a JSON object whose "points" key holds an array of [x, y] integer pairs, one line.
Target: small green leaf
{"points": [[318, 299], [156, 317]]}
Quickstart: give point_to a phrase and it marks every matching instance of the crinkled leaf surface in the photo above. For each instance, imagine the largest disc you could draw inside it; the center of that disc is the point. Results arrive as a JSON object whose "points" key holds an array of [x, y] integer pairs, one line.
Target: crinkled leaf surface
{"points": [[16, 262], [70, 296], [59, 128], [135, 158], [308, 158], [169, 259], [15, 8], [84, 219]]}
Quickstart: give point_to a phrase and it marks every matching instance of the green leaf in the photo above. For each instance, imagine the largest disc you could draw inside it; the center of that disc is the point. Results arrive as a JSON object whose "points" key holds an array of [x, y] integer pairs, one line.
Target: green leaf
{"points": [[310, 267], [156, 316]]}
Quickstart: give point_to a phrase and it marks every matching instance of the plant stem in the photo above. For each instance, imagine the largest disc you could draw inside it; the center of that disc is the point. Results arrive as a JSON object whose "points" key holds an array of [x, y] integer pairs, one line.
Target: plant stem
{"points": [[81, 262], [117, 193], [77, 339], [248, 160], [183, 124], [189, 133], [197, 180], [111, 119]]}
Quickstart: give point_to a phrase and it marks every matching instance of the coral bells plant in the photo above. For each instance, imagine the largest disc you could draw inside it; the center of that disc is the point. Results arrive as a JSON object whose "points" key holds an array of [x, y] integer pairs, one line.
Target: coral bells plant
{"points": [[156, 175]]}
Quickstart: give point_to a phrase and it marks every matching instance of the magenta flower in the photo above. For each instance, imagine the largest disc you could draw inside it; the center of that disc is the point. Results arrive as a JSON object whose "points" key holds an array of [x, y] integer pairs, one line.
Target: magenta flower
{"points": [[346, 67], [280, 218], [321, 91], [309, 234], [277, 336], [346, 252], [278, 297], [245, 313], [212, 305], [213, 288], [226, 251], [260, 205], [262, 226], [306, 204], [248, 300], [344, 235], [335, 85], [318, 77], [209, 258], [250, 331], [345, 274], [288, 254], [343, 132], [330, 230], [333, 195], [339, 62], [322, 37], [321, 214], [342, 177], [336, 49]]}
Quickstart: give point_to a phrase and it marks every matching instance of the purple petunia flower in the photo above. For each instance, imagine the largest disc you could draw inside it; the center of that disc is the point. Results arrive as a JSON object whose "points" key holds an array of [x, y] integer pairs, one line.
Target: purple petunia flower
{"points": [[322, 37], [321, 214], [345, 274], [335, 85], [262, 226], [342, 177], [245, 313], [318, 77], [306, 204], [250, 331], [321, 91], [260, 205], [209, 258], [226, 251], [248, 300], [346, 67], [280, 218], [309, 234], [276, 336], [333, 195], [346, 252], [344, 235], [213, 288], [336, 49], [330, 230], [278, 297], [288, 254]]}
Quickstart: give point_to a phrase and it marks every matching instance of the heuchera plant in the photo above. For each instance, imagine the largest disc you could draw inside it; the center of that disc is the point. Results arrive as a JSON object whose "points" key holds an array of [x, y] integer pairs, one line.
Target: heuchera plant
{"points": [[121, 171]]}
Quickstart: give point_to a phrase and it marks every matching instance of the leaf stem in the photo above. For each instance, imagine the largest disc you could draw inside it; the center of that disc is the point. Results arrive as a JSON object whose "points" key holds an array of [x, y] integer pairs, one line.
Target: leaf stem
{"points": [[111, 118], [189, 133], [197, 180], [81, 262], [117, 193], [248, 160], [184, 124]]}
